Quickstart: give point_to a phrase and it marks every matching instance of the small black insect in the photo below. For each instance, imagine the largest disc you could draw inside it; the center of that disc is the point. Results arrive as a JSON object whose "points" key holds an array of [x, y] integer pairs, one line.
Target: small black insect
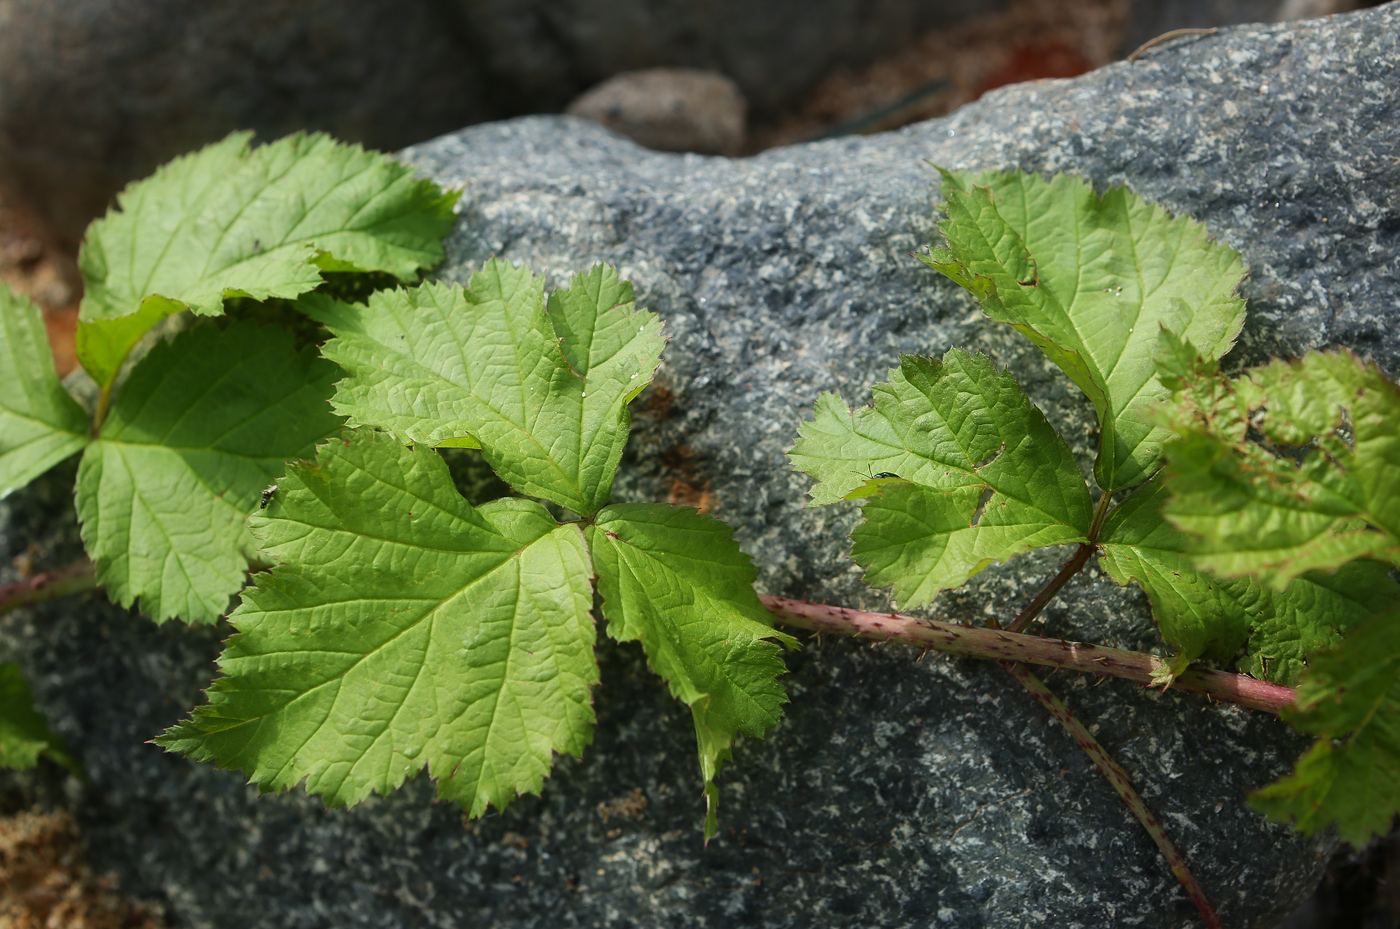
{"points": [[267, 497], [875, 477]]}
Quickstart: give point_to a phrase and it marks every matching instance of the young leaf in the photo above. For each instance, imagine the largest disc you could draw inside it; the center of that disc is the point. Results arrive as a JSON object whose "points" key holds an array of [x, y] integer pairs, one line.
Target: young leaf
{"points": [[1312, 615], [40, 424], [544, 394], [24, 734], [401, 628], [1201, 615], [1350, 697], [983, 475], [202, 426], [1091, 280], [1254, 511], [260, 222], [677, 581], [103, 345]]}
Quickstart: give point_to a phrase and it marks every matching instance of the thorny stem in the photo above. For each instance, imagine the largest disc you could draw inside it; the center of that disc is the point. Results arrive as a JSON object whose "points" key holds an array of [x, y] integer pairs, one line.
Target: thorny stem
{"points": [[1121, 783], [50, 585], [1004, 645]]}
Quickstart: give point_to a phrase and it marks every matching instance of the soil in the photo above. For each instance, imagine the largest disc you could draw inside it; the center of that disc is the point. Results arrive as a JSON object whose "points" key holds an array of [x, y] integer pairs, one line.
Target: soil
{"points": [[45, 883]]}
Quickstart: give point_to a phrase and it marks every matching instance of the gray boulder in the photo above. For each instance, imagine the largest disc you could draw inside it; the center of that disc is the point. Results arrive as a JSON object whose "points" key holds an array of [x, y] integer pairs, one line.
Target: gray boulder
{"points": [[897, 793]]}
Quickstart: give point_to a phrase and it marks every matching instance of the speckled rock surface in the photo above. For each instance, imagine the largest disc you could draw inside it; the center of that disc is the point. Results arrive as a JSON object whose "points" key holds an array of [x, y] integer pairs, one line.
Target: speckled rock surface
{"points": [[898, 793]]}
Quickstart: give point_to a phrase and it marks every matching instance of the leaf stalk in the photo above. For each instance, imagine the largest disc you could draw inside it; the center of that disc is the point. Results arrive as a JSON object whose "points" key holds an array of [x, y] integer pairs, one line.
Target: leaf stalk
{"points": [[1121, 783], [50, 585]]}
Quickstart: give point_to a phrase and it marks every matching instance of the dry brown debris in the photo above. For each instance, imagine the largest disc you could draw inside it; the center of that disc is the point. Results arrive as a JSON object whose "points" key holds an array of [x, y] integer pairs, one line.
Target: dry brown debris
{"points": [[35, 263], [46, 884], [1030, 39]]}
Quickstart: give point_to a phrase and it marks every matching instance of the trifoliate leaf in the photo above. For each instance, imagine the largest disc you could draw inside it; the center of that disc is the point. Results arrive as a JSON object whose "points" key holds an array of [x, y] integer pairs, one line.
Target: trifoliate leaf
{"points": [[1351, 776], [24, 733], [677, 581], [201, 427], [260, 222], [402, 628], [1205, 616], [544, 394], [1253, 510], [983, 476], [1091, 280], [40, 424]]}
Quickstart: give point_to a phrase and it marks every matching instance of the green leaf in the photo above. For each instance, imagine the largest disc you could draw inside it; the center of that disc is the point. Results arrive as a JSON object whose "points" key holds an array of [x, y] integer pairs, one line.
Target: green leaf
{"points": [[1351, 698], [1205, 616], [1312, 616], [202, 426], [983, 476], [544, 394], [401, 628], [1253, 510], [1091, 280], [40, 424], [24, 733], [103, 344], [261, 222], [1198, 615], [676, 580]]}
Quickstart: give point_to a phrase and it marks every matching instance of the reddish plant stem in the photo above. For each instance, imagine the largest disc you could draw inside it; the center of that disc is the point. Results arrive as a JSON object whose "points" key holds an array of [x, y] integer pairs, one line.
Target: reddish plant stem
{"points": [[1121, 783], [1002, 645], [50, 585], [1070, 569]]}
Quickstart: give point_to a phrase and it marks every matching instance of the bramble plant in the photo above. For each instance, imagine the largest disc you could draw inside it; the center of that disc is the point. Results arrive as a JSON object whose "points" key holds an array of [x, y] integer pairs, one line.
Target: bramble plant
{"points": [[390, 625]]}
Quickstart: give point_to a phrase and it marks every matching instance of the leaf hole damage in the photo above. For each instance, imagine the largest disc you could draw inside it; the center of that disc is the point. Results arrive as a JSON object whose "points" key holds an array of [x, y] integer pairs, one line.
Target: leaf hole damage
{"points": [[987, 494]]}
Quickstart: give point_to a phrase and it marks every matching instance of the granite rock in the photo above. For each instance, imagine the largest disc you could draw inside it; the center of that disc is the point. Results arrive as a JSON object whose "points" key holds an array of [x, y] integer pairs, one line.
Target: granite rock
{"points": [[898, 792]]}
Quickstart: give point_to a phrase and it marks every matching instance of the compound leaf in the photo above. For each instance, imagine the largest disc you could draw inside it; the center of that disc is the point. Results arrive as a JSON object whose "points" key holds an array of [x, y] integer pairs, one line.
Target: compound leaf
{"points": [[24, 733], [543, 393], [982, 475], [1331, 499], [203, 424], [402, 628], [260, 222], [40, 423], [1091, 280], [677, 581], [1350, 697], [1206, 616]]}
